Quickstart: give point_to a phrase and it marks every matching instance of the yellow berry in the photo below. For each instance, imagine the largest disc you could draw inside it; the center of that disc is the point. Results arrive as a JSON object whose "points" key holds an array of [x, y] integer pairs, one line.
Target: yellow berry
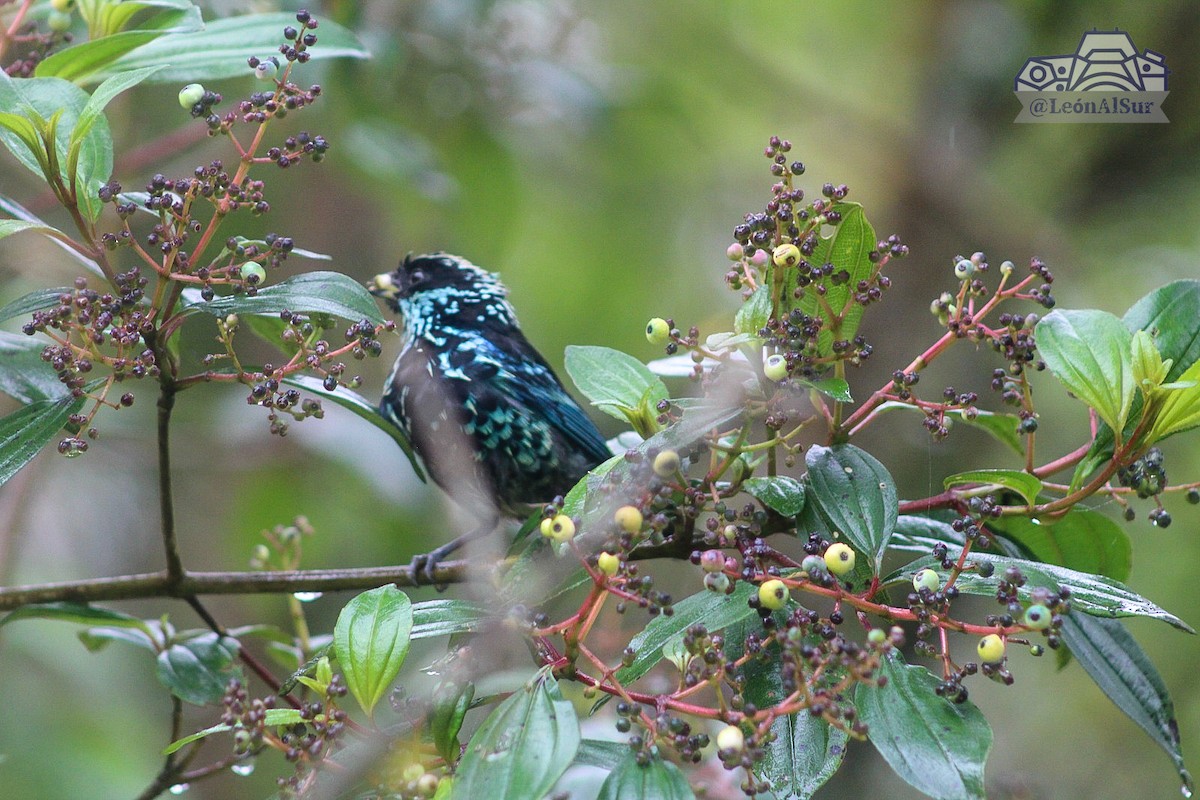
{"points": [[990, 649], [608, 564], [560, 528], [786, 255], [629, 519], [658, 331], [773, 594], [839, 559], [666, 463], [775, 367], [731, 738]]}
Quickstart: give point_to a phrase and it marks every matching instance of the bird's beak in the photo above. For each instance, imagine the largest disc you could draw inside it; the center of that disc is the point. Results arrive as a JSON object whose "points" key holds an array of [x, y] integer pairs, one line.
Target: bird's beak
{"points": [[383, 286]]}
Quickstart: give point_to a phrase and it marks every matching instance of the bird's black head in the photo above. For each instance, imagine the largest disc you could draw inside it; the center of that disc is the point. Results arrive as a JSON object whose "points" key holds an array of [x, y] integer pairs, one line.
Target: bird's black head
{"points": [[444, 291]]}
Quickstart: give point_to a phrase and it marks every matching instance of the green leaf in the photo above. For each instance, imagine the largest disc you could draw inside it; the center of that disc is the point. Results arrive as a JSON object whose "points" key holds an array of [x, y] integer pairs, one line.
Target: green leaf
{"points": [[1090, 594], [24, 432], [658, 780], [356, 404], [23, 374], [1128, 677], [81, 613], [601, 753], [1002, 427], [221, 49], [40, 300], [104, 95], [449, 709], [1083, 540], [1180, 409], [42, 100], [273, 718], [713, 611], [445, 618], [806, 751], [848, 248], [15, 209], [1090, 353], [837, 388], [197, 670], [93, 60], [10, 226], [523, 746], [779, 493], [1171, 314], [936, 746], [96, 639], [753, 314], [855, 495], [615, 382], [1024, 484], [307, 293], [371, 639]]}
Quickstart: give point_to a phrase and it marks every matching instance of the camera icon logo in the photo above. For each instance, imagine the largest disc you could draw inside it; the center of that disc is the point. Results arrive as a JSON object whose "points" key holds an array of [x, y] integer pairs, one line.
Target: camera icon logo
{"points": [[1104, 61]]}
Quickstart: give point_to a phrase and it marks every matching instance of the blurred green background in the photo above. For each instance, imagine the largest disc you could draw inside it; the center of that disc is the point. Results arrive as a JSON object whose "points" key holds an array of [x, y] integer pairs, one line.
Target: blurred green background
{"points": [[598, 155]]}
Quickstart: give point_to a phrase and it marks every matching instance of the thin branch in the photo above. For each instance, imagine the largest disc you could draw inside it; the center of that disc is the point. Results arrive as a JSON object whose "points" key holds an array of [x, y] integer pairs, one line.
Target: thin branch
{"points": [[160, 584]]}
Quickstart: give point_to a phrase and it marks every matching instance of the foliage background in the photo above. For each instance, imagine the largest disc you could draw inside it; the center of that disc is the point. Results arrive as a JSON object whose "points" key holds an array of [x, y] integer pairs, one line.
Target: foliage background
{"points": [[598, 156]]}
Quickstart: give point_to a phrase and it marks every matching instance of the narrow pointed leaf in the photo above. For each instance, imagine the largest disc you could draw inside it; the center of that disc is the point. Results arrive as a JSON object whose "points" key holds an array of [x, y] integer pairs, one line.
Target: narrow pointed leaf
{"points": [[371, 640], [855, 495], [1083, 540], [1024, 484], [310, 292], [936, 746], [1128, 677], [24, 432], [23, 374], [523, 747], [273, 718]]}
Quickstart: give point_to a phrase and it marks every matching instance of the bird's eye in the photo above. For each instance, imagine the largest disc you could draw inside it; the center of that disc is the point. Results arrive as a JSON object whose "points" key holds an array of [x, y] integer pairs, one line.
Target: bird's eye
{"points": [[416, 278]]}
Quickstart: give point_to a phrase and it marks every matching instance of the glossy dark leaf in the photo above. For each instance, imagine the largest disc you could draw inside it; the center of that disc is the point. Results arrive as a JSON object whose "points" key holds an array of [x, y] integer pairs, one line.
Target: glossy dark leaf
{"points": [[24, 376], [449, 709], [855, 495], [600, 753], [1128, 677], [936, 746], [753, 314], [197, 670], [1083, 540], [848, 247], [1171, 314], [445, 617], [24, 432], [779, 493], [310, 292], [657, 780], [523, 746]]}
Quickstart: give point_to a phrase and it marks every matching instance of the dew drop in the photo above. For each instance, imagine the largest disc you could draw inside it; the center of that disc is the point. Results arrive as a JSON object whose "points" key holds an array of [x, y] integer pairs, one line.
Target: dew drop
{"points": [[179, 788], [243, 768], [306, 597]]}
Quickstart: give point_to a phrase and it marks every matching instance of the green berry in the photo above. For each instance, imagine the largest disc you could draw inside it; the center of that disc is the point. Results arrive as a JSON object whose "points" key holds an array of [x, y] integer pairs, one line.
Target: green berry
{"points": [[58, 21], [877, 636], [658, 331], [1037, 617], [990, 649], [628, 519], [731, 738], [560, 528], [1037, 650], [666, 463], [190, 95], [773, 594], [253, 273], [839, 559], [786, 255], [964, 269], [926, 579], [1006, 268], [608, 564], [775, 367]]}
